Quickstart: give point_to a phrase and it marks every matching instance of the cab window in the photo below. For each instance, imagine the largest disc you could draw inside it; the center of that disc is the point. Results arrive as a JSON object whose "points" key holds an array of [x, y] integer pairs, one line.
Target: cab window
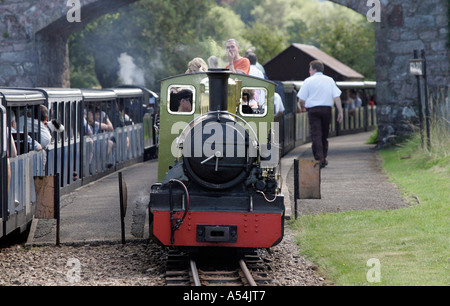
{"points": [[181, 100]]}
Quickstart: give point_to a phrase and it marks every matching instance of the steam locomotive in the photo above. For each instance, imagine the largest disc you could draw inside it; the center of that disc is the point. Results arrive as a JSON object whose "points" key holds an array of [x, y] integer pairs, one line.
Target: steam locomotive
{"points": [[219, 163]]}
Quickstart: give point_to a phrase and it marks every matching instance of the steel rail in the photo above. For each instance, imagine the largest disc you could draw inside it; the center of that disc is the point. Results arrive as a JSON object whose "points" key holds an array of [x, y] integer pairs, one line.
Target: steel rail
{"points": [[247, 273], [195, 275]]}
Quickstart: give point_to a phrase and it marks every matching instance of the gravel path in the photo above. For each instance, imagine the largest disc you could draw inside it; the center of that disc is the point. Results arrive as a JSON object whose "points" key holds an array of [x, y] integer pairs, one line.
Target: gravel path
{"points": [[138, 263], [133, 264]]}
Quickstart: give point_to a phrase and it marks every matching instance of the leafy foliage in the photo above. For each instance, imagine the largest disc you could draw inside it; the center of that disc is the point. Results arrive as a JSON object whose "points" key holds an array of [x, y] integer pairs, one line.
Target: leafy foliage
{"points": [[267, 41], [164, 35], [351, 43]]}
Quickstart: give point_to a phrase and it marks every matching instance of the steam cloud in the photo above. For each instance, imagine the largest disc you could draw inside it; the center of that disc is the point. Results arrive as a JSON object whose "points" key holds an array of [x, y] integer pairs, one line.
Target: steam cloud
{"points": [[129, 73]]}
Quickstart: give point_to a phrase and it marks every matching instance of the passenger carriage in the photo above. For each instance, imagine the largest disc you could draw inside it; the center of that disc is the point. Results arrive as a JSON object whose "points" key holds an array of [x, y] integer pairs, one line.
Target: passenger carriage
{"points": [[77, 157]]}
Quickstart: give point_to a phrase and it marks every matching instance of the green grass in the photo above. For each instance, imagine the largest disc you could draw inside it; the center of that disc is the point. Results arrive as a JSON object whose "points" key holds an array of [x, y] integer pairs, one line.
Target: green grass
{"points": [[412, 243]]}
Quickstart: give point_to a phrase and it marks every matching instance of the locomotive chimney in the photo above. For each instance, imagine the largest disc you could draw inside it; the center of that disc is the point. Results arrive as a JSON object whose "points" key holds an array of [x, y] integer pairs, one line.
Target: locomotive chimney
{"points": [[218, 89]]}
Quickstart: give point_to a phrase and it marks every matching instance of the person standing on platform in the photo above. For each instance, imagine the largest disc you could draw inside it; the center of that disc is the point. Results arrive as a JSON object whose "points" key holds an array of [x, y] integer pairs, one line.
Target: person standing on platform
{"points": [[316, 96]]}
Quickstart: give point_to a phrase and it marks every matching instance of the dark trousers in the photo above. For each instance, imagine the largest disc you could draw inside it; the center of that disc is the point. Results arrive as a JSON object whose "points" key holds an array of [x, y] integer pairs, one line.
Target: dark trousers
{"points": [[319, 123]]}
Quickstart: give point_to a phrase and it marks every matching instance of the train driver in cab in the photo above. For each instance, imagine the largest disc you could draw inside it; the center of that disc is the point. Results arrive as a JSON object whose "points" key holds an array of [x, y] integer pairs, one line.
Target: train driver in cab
{"points": [[184, 101]]}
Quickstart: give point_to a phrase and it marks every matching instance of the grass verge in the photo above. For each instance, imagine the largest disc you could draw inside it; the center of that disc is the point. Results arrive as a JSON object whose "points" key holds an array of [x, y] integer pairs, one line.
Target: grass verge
{"points": [[411, 245]]}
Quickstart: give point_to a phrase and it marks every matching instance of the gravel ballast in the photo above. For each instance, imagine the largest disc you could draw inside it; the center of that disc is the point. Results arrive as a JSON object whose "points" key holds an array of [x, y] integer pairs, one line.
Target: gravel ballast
{"points": [[137, 263]]}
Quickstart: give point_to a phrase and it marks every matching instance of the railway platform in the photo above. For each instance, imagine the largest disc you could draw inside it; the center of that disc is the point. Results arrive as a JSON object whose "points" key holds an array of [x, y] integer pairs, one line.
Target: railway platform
{"points": [[352, 180]]}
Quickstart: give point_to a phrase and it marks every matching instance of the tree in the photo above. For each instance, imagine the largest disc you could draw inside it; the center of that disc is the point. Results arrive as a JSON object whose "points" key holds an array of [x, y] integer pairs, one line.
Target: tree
{"points": [[97, 47], [266, 40], [158, 34], [272, 13], [338, 31], [81, 63], [162, 36], [243, 8], [353, 45]]}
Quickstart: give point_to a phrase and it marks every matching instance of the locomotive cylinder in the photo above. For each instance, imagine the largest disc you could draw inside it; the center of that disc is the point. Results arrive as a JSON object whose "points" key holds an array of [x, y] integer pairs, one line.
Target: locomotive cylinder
{"points": [[218, 89]]}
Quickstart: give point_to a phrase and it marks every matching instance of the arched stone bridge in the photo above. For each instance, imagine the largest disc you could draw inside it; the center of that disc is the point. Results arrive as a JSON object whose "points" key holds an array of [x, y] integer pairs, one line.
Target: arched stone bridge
{"points": [[33, 38], [33, 47]]}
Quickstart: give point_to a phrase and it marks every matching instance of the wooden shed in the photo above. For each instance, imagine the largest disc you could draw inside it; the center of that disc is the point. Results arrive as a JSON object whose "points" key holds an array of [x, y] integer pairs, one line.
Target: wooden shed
{"points": [[293, 65]]}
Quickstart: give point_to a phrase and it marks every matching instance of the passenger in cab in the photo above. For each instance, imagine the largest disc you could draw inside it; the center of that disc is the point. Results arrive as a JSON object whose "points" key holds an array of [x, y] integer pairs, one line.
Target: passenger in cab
{"points": [[260, 95], [236, 63]]}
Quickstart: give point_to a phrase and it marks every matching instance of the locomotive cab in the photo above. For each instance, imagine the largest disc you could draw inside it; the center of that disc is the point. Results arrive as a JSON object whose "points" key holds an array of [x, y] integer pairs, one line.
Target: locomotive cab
{"points": [[218, 163]]}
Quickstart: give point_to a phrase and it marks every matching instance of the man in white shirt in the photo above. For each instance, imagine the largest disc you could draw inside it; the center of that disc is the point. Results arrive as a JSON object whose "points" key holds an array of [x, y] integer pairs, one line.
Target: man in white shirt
{"points": [[317, 96]]}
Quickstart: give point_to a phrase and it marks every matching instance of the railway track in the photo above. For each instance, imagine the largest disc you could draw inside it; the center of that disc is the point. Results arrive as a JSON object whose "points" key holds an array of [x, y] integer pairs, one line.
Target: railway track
{"points": [[184, 270]]}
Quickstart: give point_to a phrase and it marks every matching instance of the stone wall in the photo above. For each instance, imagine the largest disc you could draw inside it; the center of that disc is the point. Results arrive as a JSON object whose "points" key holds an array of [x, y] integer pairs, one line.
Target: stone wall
{"points": [[33, 39], [405, 26]]}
